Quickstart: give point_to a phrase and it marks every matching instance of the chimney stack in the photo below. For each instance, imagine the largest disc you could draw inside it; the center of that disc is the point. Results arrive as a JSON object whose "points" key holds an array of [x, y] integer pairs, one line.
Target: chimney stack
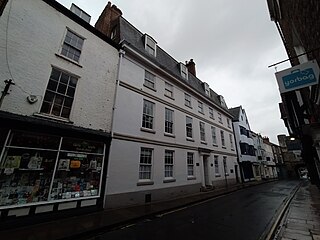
{"points": [[106, 21], [191, 67]]}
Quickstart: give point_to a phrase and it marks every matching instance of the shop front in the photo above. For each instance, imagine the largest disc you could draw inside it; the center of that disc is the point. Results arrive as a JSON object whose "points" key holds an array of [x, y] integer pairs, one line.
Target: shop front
{"points": [[48, 169]]}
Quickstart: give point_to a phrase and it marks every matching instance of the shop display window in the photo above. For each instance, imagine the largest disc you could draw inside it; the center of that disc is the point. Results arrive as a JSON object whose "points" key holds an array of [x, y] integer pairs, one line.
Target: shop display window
{"points": [[35, 168]]}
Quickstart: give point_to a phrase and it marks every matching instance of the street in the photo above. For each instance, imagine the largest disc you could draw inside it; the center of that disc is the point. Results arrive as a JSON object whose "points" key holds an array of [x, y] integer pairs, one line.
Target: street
{"points": [[243, 214]]}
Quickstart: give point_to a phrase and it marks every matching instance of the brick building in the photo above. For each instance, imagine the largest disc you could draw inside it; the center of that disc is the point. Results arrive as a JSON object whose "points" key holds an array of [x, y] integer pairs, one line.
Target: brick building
{"points": [[298, 24]]}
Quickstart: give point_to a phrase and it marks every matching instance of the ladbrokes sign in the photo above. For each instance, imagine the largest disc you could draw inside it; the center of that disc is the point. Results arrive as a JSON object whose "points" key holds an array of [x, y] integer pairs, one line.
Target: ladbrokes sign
{"points": [[297, 77]]}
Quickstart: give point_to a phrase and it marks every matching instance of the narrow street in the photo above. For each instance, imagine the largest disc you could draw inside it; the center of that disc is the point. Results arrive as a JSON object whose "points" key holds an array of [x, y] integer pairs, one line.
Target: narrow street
{"points": [[243, 214]]}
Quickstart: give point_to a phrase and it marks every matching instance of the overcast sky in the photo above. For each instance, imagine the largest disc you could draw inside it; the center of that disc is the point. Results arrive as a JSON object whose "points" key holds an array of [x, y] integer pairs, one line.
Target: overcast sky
{"points": [[231, 41]]}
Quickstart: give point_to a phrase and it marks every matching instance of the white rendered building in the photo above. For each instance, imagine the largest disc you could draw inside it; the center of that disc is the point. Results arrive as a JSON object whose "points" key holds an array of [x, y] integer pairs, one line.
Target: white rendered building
{"points": [[172, 134], [56, 118]]}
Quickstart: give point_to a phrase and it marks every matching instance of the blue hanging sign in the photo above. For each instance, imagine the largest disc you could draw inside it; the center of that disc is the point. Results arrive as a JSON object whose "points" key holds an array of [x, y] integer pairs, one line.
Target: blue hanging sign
{"points": [[297, 77]]}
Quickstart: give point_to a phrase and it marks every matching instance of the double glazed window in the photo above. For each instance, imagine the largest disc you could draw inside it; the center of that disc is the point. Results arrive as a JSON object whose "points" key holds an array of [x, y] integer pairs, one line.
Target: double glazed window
{"points": [[149, 80], [148, 114], [168, 164], [168, 125], [59, 94], [145, 163], [189, 127], [72, 46]]}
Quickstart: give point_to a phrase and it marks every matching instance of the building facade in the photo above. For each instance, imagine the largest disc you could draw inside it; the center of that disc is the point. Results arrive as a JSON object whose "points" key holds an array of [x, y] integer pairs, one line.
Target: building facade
{"points": [[245, 145], [298, 25], [55, 109], [172, 134]]}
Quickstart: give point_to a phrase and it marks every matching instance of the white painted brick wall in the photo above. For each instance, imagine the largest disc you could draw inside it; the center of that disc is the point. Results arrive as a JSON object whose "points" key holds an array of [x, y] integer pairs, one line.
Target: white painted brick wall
{"points": [[34, 35]]}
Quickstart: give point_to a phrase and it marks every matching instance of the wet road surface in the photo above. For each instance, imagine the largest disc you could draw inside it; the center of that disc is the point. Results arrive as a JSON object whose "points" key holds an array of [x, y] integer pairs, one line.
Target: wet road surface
{"points": [[240, 215]]}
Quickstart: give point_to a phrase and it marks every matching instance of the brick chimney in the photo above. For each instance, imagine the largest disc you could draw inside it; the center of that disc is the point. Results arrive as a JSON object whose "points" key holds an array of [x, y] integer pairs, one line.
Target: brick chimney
{"points": [[191, 67], [107, 19]]}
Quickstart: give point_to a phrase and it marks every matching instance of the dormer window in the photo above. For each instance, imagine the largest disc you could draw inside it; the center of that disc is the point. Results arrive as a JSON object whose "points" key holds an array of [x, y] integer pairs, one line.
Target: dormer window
{"points": [[80, 13], [150, 45], [183, 71], [206, 89]]}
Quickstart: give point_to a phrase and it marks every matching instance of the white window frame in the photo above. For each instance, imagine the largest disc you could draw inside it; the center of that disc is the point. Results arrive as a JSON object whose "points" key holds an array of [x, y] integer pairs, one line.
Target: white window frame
{"points": [[150, 45], [168, 90], [228, 123], [214, 135], [220, 117], [187, 100], [145, 167], [184, 71], [223, 141], [168, 164], [149, 80], [231, 141], [202, 132], [169, 120], [69, 47], [216, 165], [188, 127], [68, 84], [190, 164], [211, 115], [200, 107], [148, 117]]}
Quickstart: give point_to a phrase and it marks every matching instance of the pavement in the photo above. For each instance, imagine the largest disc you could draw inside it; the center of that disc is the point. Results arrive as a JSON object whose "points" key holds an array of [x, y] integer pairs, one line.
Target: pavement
{"points": [[87, 225], [302, 219]]}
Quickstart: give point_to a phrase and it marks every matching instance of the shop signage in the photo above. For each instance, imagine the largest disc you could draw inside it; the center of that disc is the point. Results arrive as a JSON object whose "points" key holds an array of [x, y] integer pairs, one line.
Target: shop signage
{"points": [[297, 77]]}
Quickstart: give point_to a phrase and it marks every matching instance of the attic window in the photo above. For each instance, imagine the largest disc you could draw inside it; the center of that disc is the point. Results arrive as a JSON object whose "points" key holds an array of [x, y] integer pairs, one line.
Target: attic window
{"points": [[207, 89], [150, 45], [183, 71], [80, 13]]}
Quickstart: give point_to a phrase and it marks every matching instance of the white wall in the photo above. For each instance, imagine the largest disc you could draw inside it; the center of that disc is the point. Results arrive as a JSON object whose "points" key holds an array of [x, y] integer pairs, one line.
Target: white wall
{"points": [[123, 174], [30, 39]]}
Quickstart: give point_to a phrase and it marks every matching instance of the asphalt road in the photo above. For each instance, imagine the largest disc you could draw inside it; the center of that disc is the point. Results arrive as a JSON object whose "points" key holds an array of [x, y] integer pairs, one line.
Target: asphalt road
{"points": [[244, 214]]}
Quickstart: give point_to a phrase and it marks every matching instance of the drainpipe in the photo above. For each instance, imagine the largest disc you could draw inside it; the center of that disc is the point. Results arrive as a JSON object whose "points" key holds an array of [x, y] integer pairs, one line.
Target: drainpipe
{"points": [[114, 107]]}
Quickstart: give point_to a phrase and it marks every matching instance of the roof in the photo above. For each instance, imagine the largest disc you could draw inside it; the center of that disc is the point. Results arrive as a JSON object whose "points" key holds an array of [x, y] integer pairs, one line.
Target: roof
{"points": [[235, 112], [135, 39], [65, 11]]}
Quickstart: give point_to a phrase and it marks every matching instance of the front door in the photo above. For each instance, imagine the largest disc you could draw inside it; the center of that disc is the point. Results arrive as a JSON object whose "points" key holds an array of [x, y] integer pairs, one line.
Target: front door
{"points": [[206, 170]]}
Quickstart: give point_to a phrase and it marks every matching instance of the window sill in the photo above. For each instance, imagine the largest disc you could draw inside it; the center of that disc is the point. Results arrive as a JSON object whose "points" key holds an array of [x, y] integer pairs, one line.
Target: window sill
{"points": [[148, 130], [52, 117], [188, 106], [190, 139], [69, 60], [221, 122], [169, 135], [203, 142], [169, 180], [232, 149], [215, 145], [201, 112], [153, 89], [218, 175], [191, 178], [212, 118], [145, 182], [169, 97], [224, 147]]}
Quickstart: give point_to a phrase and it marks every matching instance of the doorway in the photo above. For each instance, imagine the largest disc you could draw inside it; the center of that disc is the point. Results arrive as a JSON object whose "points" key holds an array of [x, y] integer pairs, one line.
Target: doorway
{"points": [[206, 170]]}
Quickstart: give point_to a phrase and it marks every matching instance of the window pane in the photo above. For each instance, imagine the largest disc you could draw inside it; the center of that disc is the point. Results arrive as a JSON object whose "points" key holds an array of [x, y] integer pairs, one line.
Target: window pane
{"points": [[48, 97], [70, 91], [62, 88], [56, 110], [64, 78], [52, 85], [46, 107], [55, 74]]}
